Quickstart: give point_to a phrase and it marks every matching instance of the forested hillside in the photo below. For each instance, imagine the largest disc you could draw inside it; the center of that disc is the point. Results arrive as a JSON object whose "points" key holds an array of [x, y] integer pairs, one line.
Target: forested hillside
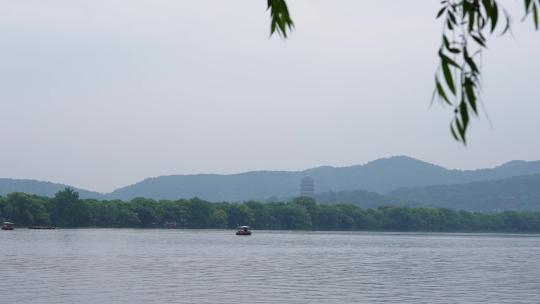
{"points": [[516, 193], [360, 198]]}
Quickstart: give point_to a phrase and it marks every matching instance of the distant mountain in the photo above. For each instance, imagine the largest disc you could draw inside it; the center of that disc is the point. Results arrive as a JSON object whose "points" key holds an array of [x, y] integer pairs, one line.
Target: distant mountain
{"points": [[214, 187], [361, 183], [8, 185], [381, 176], [515, 193]]}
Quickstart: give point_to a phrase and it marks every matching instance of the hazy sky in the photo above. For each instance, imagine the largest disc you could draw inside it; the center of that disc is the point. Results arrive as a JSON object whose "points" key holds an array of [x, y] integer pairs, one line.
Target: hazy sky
{"points": [[103, 93]]}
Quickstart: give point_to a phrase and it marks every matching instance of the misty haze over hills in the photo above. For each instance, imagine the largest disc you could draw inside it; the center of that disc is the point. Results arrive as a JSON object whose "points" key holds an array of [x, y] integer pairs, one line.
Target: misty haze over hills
{"points": [[396, 180]]}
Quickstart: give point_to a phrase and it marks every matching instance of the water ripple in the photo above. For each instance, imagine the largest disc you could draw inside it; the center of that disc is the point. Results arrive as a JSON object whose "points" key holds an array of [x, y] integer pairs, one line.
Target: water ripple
{"points": [[187, 266]]}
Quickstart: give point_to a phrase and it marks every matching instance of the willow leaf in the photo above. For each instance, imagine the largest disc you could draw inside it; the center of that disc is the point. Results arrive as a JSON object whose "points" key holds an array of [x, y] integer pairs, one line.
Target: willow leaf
{"points": [[448, 77]]}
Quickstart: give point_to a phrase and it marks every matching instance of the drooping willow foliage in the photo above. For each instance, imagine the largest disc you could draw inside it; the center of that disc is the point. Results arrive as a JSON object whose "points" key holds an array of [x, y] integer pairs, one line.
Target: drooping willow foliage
{"points": [[281, 20], [467, 25]]}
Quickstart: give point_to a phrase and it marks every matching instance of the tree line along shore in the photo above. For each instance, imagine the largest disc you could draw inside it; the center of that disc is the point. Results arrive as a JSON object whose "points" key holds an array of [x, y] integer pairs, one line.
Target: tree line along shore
{"points": [[66, 209]]}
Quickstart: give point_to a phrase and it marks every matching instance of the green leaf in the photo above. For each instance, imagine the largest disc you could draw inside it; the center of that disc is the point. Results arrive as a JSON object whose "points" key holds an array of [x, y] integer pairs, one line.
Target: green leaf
{"points": [[445, 41], [451, 18], [281, 21], [471, 96], [528, 5], [441, 92], [448, 59], [535, 16], [487, 6], [464, 113], [448, 77], [470, 62], [472, 15], [449, 25], [466, 7], [449, 47], [454, 134], [479, 40], [461, 131], [441, 11], [494, 17]]}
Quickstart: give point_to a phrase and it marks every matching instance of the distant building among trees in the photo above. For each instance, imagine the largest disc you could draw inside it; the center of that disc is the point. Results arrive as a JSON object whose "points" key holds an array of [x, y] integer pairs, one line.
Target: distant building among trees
{"points": [[307, 187]]}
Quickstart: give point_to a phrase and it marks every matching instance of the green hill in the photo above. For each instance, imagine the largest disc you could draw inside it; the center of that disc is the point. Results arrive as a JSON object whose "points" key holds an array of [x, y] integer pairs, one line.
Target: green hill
{"points": [[9, 185], [515, 193], [380, 176]]}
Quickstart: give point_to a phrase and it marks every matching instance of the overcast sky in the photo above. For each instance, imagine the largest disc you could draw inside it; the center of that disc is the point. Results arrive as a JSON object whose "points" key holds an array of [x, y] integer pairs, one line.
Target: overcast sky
{"points": [[103, 93]]}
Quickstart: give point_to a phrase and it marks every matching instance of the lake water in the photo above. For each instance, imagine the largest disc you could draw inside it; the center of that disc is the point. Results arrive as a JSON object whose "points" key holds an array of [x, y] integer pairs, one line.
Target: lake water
{"points": [[215, 266]]}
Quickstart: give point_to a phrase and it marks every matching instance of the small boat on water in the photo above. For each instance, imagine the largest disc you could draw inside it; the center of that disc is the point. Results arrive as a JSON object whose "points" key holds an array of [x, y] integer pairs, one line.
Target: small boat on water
{"points": [[243, 230], [41, 227], [7, 226]]}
